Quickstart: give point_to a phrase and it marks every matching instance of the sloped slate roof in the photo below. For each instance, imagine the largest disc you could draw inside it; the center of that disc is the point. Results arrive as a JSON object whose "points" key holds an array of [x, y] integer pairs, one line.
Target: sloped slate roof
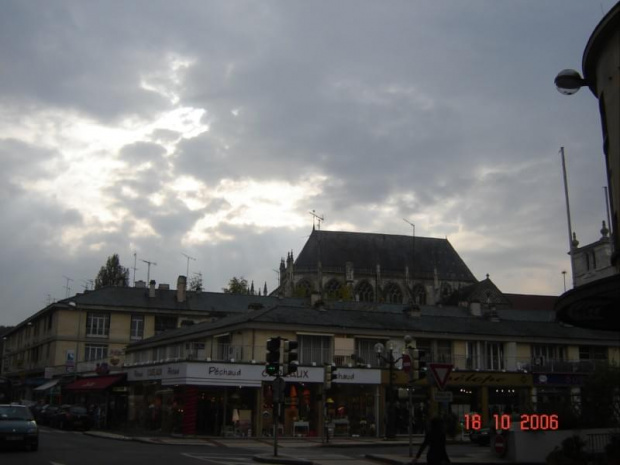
{"points": [[392, 252], [445, 321], [166, 300]]}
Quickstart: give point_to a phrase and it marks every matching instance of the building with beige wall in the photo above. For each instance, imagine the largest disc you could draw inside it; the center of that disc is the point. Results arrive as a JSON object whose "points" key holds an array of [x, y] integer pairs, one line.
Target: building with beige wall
{"points": [[510, 359]]}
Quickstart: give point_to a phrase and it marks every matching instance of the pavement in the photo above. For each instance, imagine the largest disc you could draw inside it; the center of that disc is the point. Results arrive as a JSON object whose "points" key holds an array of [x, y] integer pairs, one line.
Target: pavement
{"points": [[485, 455]]}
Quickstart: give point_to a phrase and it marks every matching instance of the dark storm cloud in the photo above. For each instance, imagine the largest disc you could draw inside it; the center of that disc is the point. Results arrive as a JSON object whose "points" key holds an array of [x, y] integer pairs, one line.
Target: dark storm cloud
{"points": [[408, 109]]}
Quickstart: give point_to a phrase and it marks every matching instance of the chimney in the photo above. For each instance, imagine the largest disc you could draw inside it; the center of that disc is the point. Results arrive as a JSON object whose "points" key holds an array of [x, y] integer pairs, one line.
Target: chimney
{"points": [[181, 288], [152, 288]]}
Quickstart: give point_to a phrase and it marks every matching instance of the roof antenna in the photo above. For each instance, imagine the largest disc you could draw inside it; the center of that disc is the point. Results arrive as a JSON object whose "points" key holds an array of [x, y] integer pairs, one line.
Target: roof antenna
{"points": [[148, 272], [67, 288], [188, 259], [316, 218]]}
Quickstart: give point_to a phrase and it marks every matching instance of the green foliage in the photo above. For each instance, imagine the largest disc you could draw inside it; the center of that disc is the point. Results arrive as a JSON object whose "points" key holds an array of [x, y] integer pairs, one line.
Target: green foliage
{"points": [[237, 286], [112, 274], [195, 283], [571, 453]]}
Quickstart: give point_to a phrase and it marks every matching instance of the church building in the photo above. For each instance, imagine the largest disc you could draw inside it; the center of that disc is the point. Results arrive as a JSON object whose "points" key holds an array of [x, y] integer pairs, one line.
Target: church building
{"points": [[370, 267]]}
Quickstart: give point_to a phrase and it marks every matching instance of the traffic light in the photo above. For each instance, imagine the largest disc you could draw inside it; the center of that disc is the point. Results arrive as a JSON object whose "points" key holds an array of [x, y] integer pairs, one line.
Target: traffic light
{"points": [[289, 360], [272, 367], [330, 375], [419, 364]]}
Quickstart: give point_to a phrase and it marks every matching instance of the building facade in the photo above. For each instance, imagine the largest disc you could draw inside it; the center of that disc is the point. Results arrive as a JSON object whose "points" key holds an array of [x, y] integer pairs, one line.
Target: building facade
{"points": [[370, 267], [210, 378]]}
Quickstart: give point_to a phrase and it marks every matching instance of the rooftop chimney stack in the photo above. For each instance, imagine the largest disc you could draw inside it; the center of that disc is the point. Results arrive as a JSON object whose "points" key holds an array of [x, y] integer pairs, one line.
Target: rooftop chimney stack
{"points": [[152, 288], [181, 289]]}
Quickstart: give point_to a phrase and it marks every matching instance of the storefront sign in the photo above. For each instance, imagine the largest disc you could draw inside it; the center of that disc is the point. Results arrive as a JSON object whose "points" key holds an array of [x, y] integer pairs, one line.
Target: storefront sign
{"points": [[357, 376], [469, 378], [562, 379]]}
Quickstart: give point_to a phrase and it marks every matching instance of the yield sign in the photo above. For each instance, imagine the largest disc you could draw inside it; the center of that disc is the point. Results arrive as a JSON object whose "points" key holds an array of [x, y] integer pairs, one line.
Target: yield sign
{"points": [[441, 372]]}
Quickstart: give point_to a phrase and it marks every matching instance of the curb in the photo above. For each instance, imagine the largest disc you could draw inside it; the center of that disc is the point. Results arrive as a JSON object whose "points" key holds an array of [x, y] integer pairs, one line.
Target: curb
{"points": [[283, 459]]}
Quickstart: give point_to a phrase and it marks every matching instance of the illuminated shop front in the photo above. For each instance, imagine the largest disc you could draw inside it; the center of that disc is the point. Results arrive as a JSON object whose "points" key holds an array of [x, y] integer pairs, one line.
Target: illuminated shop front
{"points": [[236, 400]]}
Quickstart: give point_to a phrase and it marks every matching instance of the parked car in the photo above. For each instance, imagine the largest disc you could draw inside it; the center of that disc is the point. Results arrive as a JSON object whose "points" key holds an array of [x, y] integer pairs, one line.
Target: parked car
{"points": [[47, 412], [72, 417], [18, 427], [481, 436]]}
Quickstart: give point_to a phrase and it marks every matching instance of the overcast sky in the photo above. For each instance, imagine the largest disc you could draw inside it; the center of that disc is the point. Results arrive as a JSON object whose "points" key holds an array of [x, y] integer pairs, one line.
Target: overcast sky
{"points": [[213, 128]]}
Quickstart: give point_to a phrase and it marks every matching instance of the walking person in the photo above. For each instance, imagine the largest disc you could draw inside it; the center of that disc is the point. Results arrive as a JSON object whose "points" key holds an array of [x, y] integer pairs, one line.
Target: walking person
{"points": [[435, 440]]}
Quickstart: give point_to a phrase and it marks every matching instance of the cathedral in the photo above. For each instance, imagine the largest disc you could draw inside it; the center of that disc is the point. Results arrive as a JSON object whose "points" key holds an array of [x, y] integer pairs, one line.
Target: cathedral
{"points": [[369, 267]]}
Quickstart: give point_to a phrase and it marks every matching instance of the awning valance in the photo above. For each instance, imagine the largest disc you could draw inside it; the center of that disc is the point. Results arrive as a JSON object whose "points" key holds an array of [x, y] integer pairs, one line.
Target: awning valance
{"points": [[98, 383], [48, 385]]}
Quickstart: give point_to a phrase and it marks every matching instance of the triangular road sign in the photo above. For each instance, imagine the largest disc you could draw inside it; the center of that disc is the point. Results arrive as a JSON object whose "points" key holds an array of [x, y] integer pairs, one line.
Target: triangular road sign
{"points": [[441, 373]]}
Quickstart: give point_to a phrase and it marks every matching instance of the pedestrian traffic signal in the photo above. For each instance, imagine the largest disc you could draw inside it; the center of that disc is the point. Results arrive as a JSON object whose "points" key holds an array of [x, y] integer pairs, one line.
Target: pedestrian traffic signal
{"points": [[330, 375], [289, 359], [272, 367]]}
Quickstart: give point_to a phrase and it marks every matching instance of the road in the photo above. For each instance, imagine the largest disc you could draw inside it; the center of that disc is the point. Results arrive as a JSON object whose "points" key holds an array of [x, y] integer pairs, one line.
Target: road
{"points": [[74, 448]]}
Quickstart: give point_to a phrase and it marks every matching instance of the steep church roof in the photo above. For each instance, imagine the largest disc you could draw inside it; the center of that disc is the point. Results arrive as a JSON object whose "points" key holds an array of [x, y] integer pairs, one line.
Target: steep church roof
{"points": [[392, 252]]}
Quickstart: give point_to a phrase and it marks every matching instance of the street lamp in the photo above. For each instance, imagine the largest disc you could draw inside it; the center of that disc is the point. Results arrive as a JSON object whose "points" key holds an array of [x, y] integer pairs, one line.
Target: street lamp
{"points": [[569, 81]]}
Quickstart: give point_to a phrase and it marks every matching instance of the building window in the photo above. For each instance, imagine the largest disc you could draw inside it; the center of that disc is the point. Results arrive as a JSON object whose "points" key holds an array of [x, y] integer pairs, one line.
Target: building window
{"points": [[303, 289], [393, 294], [159, 354], [444, 352], [364, 292], [315, 349], [98, 325], [592, 353], [365, 351], [164, 323], [494, 356], [137, 327], [222, 347], [95, 352], [419, 294], [333, 289]]}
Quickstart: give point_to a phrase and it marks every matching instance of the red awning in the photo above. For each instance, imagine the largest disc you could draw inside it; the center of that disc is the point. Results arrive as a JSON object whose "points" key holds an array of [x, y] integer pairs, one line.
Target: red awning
{"points": [[98, 383]]}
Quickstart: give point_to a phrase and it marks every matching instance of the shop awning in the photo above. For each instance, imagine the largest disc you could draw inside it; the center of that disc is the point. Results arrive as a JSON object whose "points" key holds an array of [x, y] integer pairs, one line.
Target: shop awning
{"points": [[98, 383], [48, 385]]}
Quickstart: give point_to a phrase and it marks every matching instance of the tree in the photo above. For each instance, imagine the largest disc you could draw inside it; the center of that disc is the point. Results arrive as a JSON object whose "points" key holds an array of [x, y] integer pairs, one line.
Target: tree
{"points": [[195, 282], [237, 286], [112, 274]]}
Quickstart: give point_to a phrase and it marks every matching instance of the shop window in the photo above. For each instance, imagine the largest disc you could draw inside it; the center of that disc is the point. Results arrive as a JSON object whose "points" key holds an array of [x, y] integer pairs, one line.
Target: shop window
{"points": [[98, 325], [314, 349], [95, 352]]}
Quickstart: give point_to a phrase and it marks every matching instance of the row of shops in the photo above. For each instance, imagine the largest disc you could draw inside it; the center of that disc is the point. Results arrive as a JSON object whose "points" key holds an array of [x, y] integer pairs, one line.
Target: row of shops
{"points": [[237, 400]]}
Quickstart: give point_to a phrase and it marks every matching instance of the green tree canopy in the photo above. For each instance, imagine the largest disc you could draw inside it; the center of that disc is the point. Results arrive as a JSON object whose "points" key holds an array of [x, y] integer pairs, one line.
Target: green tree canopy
{"points": [[237, 286], [112, 274]]}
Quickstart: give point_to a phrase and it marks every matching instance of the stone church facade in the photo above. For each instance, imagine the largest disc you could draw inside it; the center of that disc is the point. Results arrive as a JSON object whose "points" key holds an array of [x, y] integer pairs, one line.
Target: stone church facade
{"points": [[370, 267]]}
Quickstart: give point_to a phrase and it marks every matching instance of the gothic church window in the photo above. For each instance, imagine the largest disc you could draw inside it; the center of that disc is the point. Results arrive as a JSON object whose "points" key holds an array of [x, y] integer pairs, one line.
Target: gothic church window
{"points": [[393, 294], [333, 289], [365, 292], [419, 294], [303, 289]]}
